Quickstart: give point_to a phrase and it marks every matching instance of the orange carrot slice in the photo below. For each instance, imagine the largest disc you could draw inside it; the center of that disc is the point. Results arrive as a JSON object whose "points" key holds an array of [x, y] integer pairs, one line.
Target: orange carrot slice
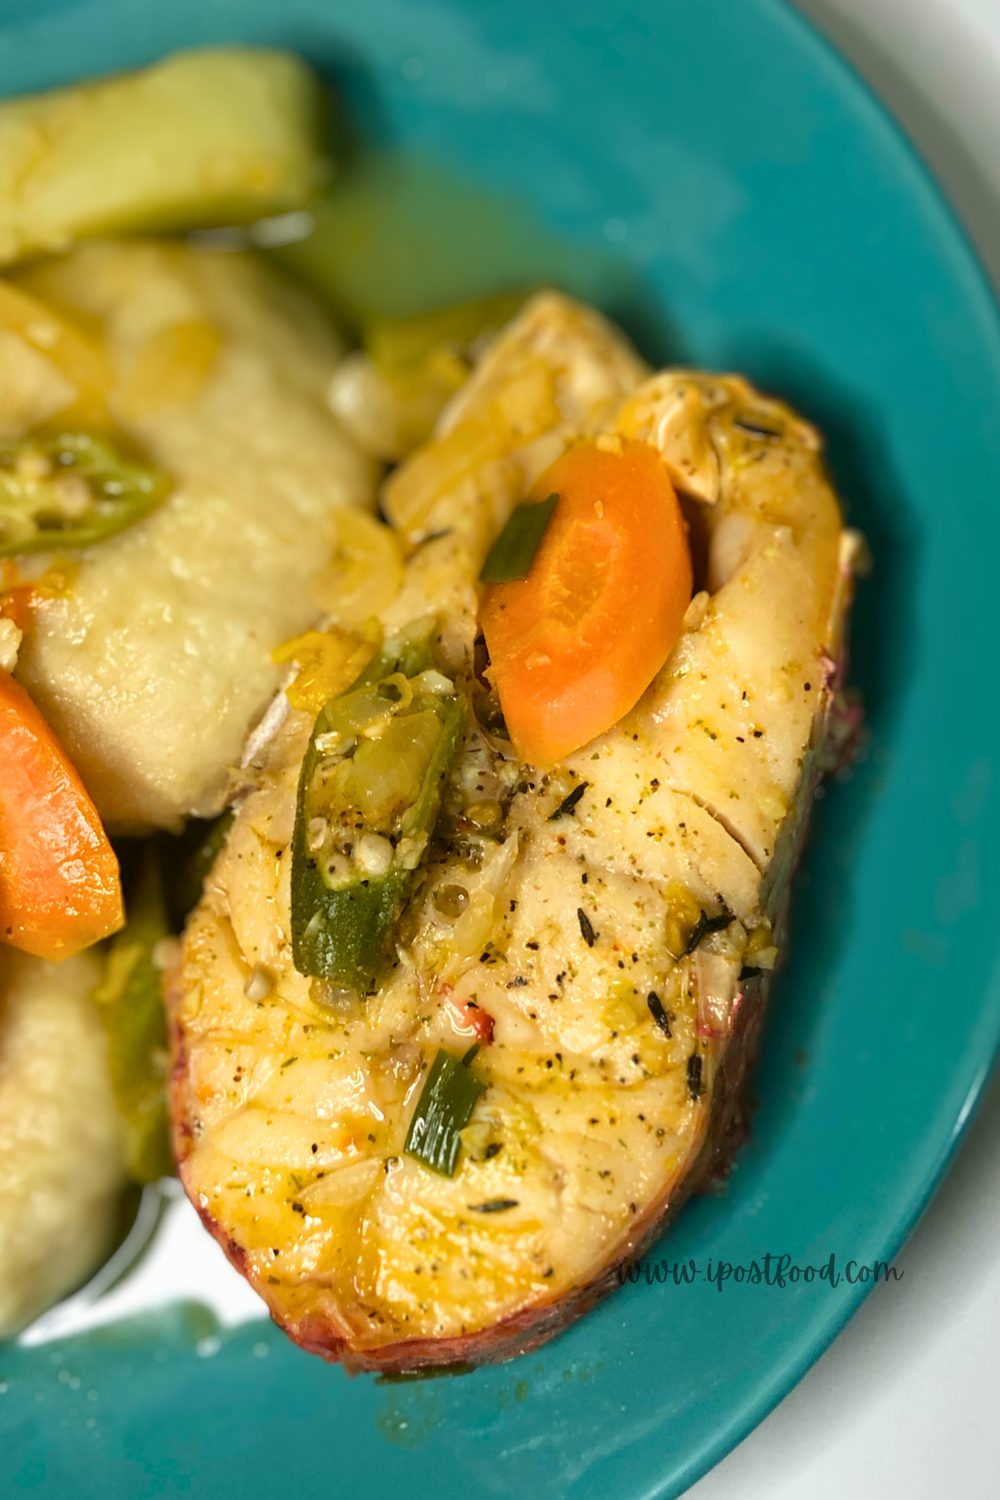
{"points": [[574, 645], [59, 884]]}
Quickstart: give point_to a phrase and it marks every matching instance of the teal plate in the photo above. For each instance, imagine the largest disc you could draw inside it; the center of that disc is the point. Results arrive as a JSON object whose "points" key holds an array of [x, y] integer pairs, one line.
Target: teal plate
{"points": [[761, 213]]}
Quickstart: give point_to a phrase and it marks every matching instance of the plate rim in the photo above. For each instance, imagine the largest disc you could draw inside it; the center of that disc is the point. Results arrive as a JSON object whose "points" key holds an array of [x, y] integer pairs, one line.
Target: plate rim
{"points": [[768, 1394], [931, 199]]}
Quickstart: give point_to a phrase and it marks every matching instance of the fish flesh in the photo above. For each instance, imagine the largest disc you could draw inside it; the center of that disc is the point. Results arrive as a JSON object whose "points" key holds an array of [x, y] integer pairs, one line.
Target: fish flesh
{"points": [[605, 930]]}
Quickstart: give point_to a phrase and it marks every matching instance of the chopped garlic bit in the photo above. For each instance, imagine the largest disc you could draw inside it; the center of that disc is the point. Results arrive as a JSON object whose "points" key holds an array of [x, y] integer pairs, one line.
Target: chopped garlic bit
{"points": [[166, 953], [10, 641], [259, 983], [361, 397], [410, 850], [33, 465], [434, 682], [694, 615]]}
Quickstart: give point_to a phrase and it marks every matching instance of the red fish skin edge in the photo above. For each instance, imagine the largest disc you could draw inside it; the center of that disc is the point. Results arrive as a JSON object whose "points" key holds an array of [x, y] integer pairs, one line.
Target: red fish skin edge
{"points": [[728, 1129]]}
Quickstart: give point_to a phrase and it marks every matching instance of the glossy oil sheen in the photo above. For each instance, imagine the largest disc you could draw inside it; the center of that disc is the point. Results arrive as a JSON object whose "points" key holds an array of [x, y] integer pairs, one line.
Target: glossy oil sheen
{"points": [[753, 210]]}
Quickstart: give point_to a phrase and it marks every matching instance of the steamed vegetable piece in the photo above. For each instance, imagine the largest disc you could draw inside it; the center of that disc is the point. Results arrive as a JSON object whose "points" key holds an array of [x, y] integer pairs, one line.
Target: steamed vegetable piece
{"points": [[390, 392], [513, 553], [219, 136], [369, 796], [326, 662], [218, 368], [67, 489], [578, 635], [59, 884], [130, 999], [61, 1163], [364, 573]]}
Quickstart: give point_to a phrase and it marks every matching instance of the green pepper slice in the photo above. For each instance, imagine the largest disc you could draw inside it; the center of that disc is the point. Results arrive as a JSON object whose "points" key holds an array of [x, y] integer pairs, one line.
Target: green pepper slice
{"points": [[369, 797], [61, 490], [130, 996]]}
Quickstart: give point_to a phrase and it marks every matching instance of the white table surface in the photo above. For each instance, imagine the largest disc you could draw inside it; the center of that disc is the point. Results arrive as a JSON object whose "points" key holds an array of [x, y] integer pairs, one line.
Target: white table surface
{"points": [[905, 1403]]}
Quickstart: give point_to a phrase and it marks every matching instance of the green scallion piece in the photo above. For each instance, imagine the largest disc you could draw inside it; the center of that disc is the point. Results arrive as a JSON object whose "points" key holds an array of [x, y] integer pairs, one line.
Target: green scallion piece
{"points": [[444, 1108], [513, 552]]}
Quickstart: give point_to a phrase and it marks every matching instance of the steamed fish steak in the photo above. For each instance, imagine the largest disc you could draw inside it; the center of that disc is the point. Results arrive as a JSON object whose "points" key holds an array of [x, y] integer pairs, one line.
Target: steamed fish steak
{"points": [[429, 1120]]}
